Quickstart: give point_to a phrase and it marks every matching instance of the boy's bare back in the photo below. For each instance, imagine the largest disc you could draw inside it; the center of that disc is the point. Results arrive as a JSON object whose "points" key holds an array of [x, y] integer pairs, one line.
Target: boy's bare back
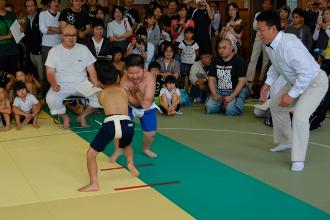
{"points": [[114, 100]]}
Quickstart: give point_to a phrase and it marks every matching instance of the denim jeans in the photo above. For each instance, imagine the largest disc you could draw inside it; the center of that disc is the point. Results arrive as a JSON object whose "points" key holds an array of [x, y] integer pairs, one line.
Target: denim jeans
{"points": [[235, 107]]}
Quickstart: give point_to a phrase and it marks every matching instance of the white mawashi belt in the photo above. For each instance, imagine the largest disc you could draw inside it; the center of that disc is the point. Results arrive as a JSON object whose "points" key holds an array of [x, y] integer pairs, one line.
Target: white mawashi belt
{"points": [[116, 119]]}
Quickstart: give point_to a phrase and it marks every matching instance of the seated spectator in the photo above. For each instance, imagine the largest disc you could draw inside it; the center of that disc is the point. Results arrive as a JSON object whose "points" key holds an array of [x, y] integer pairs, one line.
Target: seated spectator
{"points": [[299, 29], [198, 77], [168, 65], [226, 81], [119, 30], [154, 68], [234, 27], [141, 46], [170, 97], [25, 106], [31, 83], [101, 13], [97, 44], [188, 50], [117, 60], [66, 67], [5, 110]]}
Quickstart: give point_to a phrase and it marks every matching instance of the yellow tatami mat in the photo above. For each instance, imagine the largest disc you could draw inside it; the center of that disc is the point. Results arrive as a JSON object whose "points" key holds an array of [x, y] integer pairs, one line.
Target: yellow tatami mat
{"points": [[41, 170]]}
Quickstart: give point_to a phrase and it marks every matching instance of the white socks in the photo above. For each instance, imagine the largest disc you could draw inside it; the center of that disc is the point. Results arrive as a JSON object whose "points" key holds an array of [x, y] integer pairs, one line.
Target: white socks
{"points": [[297, 166], [281, 147]]}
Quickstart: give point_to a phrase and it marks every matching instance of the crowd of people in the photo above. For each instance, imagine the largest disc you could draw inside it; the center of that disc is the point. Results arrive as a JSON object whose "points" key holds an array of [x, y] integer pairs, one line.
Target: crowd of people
{"points": [[191, 48]]}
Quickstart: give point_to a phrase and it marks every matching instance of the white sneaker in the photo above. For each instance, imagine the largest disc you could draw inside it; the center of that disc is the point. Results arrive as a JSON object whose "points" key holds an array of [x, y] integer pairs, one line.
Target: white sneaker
{"points": [[297, 166], [281, 147]]}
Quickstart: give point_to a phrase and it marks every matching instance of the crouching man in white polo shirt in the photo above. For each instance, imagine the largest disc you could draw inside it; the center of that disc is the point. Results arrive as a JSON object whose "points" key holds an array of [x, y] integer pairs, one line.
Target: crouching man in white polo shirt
{"points": [[67, 65]]}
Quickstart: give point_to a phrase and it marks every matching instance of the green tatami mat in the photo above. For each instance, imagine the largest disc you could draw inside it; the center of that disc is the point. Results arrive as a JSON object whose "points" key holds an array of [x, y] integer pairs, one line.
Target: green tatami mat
{"points": [[208, 189]]}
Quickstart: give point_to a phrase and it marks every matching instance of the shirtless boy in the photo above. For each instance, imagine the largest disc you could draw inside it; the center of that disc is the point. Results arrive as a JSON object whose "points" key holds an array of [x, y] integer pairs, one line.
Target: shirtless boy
{"points": [[117, 125]]}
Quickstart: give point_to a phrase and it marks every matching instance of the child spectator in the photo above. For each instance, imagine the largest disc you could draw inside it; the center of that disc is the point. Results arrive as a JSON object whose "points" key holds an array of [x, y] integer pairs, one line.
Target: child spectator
{"points": [[188, 49], [117, 125], [28, 79], [178, 26], [170, 97], [299, 29], [5, 110], [198, 77], [154, 68], [117, 57], [25, 106]]}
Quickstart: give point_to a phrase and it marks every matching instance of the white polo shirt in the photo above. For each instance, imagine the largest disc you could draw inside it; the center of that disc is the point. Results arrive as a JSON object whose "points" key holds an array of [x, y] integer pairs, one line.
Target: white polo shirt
{"points": [[25, 106], [70, 64]]}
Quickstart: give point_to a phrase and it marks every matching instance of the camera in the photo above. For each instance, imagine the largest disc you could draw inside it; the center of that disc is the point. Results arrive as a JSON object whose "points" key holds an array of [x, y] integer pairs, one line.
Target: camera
{"points": [[139, 39]]}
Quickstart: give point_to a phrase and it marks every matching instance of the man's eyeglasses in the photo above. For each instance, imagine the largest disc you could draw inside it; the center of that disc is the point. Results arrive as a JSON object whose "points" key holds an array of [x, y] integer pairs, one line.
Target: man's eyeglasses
{"points": [[70, 35]]}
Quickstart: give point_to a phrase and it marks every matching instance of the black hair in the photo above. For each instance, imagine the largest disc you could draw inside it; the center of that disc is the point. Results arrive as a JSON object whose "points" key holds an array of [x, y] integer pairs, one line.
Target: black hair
{"points": [[189, 30], [271, 18], [170, 1], [116, 50], [106, 72], [234, 5], [34, 2], [299, 12], [205, 52], [97, 23], [153, 65], [104, 10], [141, 31], [134, 60], [18, 85], [48, 2], [271, 1], [168, 44], [170, 79], [121, 9], [286, 8], [181, 6]]}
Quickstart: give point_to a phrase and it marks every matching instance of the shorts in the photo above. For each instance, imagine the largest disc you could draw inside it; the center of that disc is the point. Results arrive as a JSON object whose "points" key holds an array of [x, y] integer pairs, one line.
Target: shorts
{"points": [[115, 126], [148, 121]]}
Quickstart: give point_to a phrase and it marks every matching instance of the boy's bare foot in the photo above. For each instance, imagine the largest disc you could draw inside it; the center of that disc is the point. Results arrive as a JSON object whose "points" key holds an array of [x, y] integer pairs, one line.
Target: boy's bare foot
{"points": [[132, 169], [82, 121], [149, 153], [19, 127], [115, 155], [35, 125], [94, 187], [66, 122]]}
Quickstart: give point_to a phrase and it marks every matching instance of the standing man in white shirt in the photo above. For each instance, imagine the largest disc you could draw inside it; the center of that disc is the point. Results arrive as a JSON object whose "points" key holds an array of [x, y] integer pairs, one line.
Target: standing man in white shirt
{"points": [[50, 28], [307, 85]]}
